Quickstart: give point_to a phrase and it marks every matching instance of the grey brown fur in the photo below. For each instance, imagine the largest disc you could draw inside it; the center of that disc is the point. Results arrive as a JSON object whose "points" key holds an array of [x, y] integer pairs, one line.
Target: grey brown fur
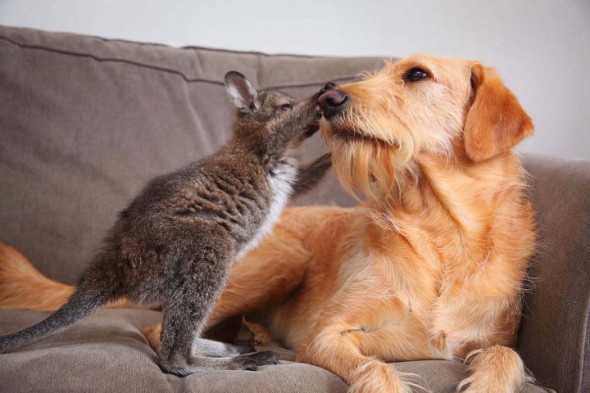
{"points": [[174, 245]]}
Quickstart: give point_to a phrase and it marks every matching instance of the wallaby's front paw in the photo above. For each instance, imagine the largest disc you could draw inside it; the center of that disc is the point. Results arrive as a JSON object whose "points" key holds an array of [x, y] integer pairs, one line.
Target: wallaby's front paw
{"points": [[323, 163], [326, 87], [311, 129], [311, 174], [315, 115]]}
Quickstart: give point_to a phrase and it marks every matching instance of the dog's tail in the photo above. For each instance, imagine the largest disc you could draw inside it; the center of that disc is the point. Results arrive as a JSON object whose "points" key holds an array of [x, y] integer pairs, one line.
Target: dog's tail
{"points": [[87, 298], [24, 287]]}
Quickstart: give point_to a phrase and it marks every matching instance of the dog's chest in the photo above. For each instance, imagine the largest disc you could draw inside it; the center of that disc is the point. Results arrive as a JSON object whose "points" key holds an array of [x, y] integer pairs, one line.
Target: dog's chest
{"points": [[416, 306], [461, 320]]}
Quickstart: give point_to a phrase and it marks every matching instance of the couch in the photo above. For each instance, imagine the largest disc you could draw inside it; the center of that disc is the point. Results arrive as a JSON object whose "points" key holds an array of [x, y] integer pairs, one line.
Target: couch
{"points": [[85, 122]]}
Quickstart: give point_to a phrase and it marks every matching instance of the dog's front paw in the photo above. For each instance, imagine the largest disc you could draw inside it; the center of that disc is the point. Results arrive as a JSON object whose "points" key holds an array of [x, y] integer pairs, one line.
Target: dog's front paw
{"points": [[494, 369], [478, 385], [378, 377], [473, 385]]}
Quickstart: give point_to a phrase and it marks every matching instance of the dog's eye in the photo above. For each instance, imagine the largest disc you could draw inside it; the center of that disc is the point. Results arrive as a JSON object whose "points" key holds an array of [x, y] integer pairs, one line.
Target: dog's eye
{"points": [[415, 74], [286, 107]]}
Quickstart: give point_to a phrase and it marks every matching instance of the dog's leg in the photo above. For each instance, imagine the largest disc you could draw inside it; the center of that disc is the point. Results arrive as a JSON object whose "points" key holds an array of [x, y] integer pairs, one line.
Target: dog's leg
{"points": [[349, 340], [337, 349], [495, 369]]}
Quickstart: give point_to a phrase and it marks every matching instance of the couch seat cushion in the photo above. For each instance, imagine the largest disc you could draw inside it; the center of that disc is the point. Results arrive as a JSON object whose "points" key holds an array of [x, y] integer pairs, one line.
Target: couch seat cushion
{"points": [[108, 353]]}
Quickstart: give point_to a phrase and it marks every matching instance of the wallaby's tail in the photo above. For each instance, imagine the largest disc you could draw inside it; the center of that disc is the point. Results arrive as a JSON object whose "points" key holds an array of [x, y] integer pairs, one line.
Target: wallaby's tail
{"points": [[84, 301], [24, 287]]}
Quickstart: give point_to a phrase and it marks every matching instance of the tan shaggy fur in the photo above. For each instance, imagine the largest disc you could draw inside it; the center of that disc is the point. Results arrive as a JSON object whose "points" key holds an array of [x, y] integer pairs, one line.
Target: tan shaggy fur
{"points": [[429, 266]]}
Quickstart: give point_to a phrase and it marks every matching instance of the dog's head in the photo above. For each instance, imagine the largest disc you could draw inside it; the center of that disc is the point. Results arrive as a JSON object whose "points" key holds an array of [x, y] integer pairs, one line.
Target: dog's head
{"points": [[421, 106]]}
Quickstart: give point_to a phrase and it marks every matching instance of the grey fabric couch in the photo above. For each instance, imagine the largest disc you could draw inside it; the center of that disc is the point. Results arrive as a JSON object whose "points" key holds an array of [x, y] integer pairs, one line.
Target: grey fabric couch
{"points": [[85, 122]]}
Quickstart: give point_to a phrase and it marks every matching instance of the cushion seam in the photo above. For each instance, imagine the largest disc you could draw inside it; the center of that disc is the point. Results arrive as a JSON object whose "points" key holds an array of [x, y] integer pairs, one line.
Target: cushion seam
{"points": [[160, 45], [153, 67]]}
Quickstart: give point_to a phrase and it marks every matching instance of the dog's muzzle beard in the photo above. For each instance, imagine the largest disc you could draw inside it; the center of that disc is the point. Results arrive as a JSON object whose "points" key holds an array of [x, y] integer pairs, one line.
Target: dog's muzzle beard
{"points": [[366, 165], [361, 161], [346, 122], [347, 126]]}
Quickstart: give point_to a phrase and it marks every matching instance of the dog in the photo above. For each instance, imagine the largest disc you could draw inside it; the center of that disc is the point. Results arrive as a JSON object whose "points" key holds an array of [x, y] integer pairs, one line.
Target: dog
{"points": [[430, 265]]}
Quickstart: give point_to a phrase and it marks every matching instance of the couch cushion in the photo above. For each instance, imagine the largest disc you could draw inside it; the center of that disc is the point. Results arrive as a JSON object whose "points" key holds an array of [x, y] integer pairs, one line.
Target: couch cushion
{"points": [[554, 334], [86, 122], [107, 353]]}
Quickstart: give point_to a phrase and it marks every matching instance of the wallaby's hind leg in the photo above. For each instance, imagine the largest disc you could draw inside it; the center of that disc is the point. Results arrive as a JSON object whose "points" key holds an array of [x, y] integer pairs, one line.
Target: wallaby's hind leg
{"points": [[179, 330], [249, 362], [197, 288], [267, 274], [216, 349]]}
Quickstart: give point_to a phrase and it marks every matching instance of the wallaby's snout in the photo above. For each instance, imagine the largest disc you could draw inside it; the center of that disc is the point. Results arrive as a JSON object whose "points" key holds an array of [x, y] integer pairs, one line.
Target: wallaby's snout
{"points": [[314, 114], [305, 116]]}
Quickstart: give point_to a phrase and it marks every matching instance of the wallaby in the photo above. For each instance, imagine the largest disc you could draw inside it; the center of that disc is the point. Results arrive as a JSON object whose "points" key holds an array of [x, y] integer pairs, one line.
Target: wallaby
{"points": [[175, 243]]}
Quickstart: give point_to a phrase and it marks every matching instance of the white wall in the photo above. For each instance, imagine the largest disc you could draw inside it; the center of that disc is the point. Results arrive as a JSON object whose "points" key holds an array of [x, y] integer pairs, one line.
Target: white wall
{"points": [[540, 47]]}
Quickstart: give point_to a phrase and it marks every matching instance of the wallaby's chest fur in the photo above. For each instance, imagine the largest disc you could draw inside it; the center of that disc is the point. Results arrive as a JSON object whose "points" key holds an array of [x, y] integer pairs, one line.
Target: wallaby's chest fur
{"points": [[232, 192]]}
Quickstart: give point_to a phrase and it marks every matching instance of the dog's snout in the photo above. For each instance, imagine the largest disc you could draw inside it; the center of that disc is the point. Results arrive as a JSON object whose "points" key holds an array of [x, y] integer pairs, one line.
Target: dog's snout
{"points": [[331, 102]]}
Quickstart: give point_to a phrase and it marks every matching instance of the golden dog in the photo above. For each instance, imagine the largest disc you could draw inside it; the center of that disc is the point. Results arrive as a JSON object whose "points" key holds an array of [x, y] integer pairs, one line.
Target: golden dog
{"points": [[429, 266]]}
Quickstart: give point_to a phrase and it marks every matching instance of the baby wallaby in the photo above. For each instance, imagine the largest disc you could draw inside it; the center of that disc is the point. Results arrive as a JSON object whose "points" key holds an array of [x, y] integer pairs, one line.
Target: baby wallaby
{"points": [[175, 243]]}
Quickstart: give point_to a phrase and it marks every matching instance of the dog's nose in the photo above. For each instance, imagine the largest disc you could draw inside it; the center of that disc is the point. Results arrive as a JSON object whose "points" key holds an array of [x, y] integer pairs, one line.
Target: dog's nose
{"points": [[331, 102]]}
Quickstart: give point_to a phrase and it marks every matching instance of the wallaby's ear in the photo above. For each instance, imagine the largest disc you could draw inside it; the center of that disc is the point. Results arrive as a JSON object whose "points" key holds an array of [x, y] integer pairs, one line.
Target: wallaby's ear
{"points": [[496, 121], [241, 92]]}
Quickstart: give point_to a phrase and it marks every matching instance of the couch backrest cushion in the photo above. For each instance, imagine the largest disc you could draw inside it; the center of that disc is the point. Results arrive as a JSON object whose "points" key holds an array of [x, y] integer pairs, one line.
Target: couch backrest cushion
{"points": [[85, 122]]}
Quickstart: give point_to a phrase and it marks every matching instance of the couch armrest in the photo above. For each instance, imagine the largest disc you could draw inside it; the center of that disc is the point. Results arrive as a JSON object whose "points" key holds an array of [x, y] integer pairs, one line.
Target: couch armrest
{"points": [[554, 329]]}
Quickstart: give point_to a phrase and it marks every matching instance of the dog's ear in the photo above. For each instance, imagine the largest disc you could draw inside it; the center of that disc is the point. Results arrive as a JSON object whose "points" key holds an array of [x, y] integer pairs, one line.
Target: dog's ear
{"points": [[241, 92], [496, 121]]}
